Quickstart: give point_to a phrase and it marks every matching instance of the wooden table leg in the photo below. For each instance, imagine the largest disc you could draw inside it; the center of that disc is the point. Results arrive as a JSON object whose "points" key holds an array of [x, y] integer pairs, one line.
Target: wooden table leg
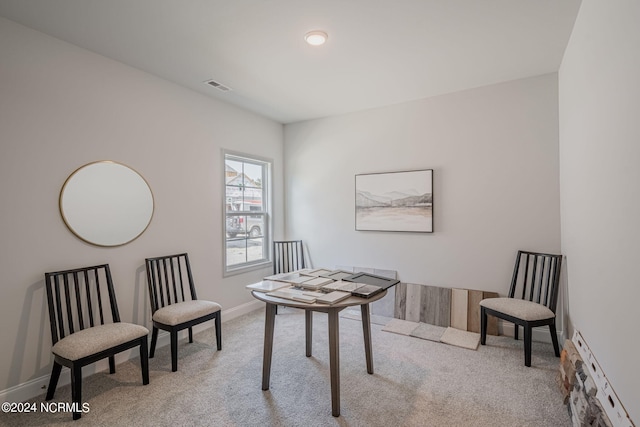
{"points": [[269, 324], [366, 329], [334, 361], [308, 321]]}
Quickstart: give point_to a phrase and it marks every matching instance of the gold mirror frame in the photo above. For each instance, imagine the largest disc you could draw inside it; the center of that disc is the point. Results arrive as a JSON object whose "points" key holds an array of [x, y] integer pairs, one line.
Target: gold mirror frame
{"points": [[106, 203]]}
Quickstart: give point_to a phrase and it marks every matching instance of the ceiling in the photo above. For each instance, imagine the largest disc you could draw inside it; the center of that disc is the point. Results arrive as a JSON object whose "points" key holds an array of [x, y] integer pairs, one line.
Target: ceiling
{"points": [[379, 52]]}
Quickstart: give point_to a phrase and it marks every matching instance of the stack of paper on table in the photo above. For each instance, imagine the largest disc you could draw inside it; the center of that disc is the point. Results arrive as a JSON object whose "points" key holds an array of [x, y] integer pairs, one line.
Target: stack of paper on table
{"points": [[297, 276], [330, 280], [295, 295], [356, 289], [286, 277], [310, 296], [318, 272], [337, 274], [300, 280], [333, 297], [314, 283], [268, 286], [366, 291], [342, 286]]}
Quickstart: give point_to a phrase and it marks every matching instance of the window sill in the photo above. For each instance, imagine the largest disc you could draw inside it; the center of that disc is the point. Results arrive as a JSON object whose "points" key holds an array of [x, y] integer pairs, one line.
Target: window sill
{"points": [[247, 268]]}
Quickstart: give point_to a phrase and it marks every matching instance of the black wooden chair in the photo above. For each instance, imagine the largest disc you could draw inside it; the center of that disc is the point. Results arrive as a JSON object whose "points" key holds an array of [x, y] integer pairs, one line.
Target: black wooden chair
{"points": [[172, 309], [531, 301], [288, 255], [80, 303]]}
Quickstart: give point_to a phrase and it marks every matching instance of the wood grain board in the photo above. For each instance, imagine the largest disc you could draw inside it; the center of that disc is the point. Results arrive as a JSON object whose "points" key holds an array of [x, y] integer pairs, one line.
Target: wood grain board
{"points": [[458, 308], [473, 311]]}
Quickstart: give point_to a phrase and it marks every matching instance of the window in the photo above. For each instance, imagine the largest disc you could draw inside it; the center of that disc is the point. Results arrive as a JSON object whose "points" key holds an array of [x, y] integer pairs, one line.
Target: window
{"points": [[246, 217]]}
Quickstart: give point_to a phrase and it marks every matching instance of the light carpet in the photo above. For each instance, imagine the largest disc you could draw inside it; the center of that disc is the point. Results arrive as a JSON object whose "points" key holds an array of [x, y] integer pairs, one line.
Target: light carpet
{"points": [[375, 319], [416, 383]]}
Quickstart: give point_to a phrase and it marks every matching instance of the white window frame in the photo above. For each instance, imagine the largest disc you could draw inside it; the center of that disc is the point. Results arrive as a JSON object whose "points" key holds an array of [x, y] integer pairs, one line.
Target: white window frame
{"points": [[267, 164]]}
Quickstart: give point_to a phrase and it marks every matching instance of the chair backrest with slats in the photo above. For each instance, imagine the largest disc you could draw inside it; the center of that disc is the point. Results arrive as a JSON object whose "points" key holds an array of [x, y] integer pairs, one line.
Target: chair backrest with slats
{"points": [[536, 277], [287, 256], [80, 298], [170, 280]]}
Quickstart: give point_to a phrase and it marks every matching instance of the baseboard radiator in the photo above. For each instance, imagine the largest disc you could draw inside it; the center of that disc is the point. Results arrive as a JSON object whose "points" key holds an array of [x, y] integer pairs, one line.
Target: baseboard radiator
{"points": [[588, 394]]}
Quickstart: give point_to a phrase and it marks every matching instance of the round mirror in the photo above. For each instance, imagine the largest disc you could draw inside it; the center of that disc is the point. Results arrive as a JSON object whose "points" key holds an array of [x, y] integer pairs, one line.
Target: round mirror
{"points": [[106, 203]]}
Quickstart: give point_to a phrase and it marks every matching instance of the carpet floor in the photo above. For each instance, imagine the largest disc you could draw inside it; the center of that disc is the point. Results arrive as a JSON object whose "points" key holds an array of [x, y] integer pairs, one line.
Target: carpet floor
{"points": [[417, 382]]}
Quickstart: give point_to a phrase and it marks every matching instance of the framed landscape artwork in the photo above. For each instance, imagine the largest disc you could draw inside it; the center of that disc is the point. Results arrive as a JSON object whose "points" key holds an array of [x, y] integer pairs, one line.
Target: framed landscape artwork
{"points": [[395, 201]]}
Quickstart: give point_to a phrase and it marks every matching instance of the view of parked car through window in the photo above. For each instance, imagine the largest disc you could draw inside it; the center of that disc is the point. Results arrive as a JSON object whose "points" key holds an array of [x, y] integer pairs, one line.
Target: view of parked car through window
{"points": [[250, 224], [246, 213]]}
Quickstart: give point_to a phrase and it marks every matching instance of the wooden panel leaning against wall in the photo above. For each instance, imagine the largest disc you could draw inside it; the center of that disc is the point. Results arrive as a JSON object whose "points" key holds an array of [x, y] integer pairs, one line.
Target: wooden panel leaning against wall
{"points": [[458, 308]]}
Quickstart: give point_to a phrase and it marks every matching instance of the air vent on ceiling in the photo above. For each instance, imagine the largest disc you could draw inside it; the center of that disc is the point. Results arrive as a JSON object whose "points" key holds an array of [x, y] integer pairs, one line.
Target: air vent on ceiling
{"points": [[218, 86]]}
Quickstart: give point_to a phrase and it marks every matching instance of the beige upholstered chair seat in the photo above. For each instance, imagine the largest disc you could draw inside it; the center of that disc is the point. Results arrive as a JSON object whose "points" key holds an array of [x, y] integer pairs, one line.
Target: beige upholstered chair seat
{"points": [[522, 309], [531, 301], [186, 311], [96, 339], [180, 309], [84, 297]]}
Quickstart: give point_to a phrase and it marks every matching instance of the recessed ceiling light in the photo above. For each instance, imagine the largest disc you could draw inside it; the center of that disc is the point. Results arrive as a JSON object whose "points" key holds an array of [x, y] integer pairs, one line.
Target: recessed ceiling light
{"points": [[316, 38]]}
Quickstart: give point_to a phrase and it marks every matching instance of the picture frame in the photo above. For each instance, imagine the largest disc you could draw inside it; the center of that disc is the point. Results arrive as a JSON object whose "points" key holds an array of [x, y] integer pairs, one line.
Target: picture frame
{"points": [[394, 201]]}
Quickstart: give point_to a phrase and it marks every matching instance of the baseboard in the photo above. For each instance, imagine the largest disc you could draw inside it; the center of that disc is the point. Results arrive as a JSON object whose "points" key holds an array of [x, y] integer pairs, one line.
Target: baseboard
{"points": [[241, 310], [38, 386], [540, 334]]}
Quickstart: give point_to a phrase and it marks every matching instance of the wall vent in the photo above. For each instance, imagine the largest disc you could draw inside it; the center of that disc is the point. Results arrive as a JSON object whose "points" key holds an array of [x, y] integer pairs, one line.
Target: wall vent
{"points": [[218, 85]]}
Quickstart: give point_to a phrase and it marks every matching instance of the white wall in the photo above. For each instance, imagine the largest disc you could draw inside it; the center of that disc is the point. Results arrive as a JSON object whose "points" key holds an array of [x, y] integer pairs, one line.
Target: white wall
{"points": [[62, 107], [600, 187], [494, 151]]}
